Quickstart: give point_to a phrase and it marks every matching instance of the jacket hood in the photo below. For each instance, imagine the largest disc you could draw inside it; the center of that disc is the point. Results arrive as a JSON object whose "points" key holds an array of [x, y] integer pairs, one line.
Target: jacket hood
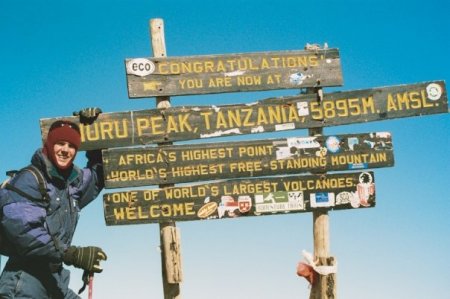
{"points": [[49, 170]]}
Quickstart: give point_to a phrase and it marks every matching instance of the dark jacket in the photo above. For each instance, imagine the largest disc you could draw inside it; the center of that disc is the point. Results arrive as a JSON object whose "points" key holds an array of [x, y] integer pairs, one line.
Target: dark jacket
{"points": [[41, 231]]}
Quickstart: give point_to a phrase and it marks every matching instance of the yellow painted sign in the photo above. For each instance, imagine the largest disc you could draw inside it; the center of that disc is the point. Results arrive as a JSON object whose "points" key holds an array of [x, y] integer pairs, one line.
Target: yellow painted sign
{"points": [[271, 115], [241, 198], [143, 166], [171, 76]]}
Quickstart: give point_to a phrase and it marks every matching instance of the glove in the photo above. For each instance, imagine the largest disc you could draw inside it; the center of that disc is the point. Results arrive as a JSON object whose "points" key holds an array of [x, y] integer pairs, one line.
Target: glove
{"points": [[94, 156], [88, 115], [87, 258]]}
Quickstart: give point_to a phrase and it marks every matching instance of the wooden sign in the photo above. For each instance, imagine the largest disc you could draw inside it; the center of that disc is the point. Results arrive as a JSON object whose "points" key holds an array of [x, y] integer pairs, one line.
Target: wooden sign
{"points": [[287, 113], [169, 76], [144, 166], [241, 198]]}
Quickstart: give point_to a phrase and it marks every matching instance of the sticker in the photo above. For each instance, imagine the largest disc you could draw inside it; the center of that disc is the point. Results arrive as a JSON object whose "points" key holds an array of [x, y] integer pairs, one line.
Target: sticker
{"points": [[297, 78], [140, 67], [207, 210], [322, 152], [354, 201], [358, 166], [296, 147], [280, 201], [321, 199], [333, 144], [369, 143], [282, 127], [283, 153], [305, 142], [152, 85], [352, 141], [383, 135], [434, 91], [302, 108], [344, 198], [244, 203], [235, 73], [365, 189], [228, 207], [220, 133], [259, 129]]}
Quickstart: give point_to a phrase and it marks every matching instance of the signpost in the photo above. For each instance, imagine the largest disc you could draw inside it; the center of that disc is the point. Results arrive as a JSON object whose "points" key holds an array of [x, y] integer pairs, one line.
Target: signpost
{"points": [[165, 164], [143, 127], [143, 166], [241, 198], [168, 76], [170, 235]]}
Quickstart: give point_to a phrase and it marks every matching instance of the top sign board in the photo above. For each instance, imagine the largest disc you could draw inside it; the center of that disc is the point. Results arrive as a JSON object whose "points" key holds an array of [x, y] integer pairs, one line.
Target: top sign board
{"points": [[144, 127], [169, 76]]}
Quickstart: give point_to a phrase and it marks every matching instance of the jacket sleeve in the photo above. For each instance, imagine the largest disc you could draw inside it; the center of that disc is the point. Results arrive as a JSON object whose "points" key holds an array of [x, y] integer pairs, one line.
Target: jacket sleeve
{"points": [[92, 178], [23, 223]]}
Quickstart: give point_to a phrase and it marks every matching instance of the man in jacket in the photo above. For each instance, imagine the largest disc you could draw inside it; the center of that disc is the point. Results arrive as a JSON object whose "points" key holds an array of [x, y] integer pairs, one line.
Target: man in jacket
{"points": [[41, 231]]}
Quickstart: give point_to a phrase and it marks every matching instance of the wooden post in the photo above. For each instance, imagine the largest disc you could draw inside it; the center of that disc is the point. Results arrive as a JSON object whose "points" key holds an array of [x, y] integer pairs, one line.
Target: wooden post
{"points": [[169, 233], [325, 286]]}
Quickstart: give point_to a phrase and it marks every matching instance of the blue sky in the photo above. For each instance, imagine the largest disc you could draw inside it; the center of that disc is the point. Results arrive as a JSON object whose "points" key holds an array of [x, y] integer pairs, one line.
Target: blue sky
{"points": [[60, 56]]}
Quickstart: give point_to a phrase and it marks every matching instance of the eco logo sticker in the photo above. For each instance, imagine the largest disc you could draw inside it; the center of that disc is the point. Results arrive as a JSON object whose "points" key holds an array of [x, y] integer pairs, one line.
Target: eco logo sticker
{"points": [[140, 67]]}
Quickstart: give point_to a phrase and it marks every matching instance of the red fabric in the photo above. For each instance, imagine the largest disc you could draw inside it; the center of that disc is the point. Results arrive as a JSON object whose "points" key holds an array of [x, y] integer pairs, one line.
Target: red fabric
{"points": [[306, 271]]}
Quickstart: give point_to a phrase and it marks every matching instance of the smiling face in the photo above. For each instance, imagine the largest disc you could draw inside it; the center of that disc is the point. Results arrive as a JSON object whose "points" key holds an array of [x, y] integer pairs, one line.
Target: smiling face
{"points": [[63, 141], [64, 153]]}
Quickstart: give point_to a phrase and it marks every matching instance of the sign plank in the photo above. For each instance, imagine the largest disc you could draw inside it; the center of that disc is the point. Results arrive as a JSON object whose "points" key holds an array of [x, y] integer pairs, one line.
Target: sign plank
{"points": [[169, 76], [241, 198], [144, 127], [144, 166]]}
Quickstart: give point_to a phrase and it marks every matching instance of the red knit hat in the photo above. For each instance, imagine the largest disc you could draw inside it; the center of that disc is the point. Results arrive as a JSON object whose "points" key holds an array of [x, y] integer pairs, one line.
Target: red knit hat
{"points": [[62, 130]]}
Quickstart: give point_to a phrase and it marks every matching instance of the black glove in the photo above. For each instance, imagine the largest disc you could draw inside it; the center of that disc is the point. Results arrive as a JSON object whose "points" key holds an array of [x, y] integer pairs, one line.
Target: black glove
{"points": [[94, 156], [87, 258], [88, 115]]}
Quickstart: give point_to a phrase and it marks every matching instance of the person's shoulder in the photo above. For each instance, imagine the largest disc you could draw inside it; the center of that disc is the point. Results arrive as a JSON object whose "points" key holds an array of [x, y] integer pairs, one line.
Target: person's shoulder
{"points": [[26, 180]]}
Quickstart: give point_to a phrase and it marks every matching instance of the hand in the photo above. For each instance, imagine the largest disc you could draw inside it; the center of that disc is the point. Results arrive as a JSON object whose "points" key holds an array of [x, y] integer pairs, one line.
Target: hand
{"points": [[88, 115], [94, 156], [87, 258]]}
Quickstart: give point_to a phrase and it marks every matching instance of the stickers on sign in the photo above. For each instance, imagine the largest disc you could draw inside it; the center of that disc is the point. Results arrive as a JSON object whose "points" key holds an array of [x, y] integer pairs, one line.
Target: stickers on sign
{"points": [[333, 144], [322, 199], [358, 166], [344, 197], [244, 203], [434, 91], [297, 78], [303, 142], [302, 108], [140, 67], [283, 127], [207, 210]]}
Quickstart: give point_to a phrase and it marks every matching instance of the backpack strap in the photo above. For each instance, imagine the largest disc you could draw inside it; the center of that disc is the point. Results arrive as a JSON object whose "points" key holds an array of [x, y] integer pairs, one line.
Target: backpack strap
{"points": [[41, 181], [41, 185]]}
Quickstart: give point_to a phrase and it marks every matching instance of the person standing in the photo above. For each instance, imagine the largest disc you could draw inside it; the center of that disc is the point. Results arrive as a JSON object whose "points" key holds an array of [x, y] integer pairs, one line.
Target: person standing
{"points": [[39, 226]]}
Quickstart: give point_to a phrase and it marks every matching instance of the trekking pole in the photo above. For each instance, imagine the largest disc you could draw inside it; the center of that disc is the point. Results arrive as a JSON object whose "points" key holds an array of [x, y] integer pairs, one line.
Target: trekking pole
{"points": [[88, 279], [91, 284]]}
